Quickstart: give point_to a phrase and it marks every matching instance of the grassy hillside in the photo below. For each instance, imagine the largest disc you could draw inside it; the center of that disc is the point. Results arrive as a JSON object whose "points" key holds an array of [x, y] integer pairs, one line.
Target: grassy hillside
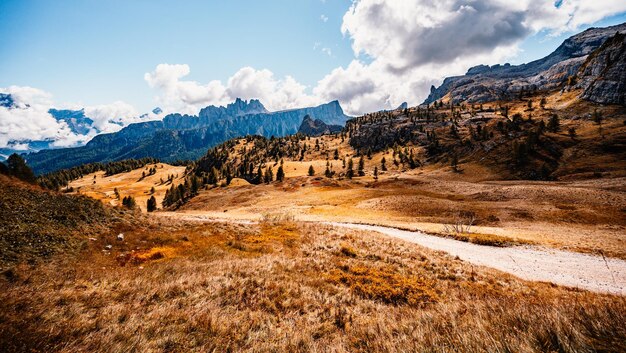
{"points": [[137, 183], [290, 287], [36, 224]]}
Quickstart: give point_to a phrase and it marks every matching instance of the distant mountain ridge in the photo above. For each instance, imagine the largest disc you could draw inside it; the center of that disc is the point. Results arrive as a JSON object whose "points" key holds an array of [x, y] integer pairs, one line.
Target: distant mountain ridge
{"points": [[181, 137], [78, 123], [317, 127], [489, 83]]}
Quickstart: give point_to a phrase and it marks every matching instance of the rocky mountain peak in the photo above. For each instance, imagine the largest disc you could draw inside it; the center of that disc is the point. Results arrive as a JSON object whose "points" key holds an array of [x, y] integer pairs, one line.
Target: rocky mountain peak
{"points": [[6, 100], [243, 107], [484, 83], [603, 75], [316, 127]]}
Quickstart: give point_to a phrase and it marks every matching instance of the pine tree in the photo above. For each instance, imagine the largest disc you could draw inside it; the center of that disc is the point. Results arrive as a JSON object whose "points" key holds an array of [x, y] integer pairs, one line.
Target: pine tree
{"points": [[572, 132], [280, 173], [311, 171], [18, 168], [375, 173], [129, 202], [350, 170], [152, 191], [597, 117], [454, 163], [383, 164], [553, 123], [151, 204], [268, 177], [361, 169], [336, 154]]}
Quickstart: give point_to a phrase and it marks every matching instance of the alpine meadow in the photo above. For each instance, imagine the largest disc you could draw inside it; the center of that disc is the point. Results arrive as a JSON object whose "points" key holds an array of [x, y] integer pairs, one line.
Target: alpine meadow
{"points": [[332, 176]]}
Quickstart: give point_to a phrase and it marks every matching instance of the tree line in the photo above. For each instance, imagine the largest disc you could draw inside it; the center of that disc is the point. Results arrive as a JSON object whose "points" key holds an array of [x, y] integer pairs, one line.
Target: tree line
{"points": [[61, 178]]}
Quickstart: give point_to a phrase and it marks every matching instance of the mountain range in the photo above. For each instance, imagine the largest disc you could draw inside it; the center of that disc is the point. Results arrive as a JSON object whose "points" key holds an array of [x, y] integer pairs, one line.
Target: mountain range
{"points": [[574, 64], [185, 137]]}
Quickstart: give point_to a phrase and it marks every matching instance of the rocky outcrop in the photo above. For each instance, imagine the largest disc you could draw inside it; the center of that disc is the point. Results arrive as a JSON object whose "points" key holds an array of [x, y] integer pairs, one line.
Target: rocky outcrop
{"points": [[603, 75], [75, 120], [6, 100], [488, 83], [185, 137], [317, 127]]}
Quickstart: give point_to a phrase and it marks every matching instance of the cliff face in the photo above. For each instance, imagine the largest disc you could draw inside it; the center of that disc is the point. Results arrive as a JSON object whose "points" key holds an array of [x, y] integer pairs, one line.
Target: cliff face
{"points": [[178, 137], [488, 83], [603, 75], [317, 127]]}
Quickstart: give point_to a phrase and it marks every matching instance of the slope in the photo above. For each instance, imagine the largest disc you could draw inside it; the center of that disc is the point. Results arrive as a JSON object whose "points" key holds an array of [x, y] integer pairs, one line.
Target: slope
{"points": [[184, 137]]}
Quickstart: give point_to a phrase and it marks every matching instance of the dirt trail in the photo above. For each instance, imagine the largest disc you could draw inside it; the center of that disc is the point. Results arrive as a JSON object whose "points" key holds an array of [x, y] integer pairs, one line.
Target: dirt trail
{"points": [[584, 271]]}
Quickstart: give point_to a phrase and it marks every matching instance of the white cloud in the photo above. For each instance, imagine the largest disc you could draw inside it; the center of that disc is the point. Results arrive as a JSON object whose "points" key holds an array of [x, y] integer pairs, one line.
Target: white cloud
{"points": [[408, 46], [400, 48], [111, 117], [180, 96], [29, 119], [412, 44], [177, 95]]}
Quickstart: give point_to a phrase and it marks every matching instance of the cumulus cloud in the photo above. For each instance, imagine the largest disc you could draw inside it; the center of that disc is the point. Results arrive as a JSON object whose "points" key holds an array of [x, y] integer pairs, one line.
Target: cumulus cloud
{"points": [[111, 117], [174, 94], [29, 119], [324, 18], [403, 47]]}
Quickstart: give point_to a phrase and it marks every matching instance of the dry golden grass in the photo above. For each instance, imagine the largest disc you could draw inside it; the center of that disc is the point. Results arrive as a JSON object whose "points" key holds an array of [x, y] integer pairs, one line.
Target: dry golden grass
{"points": [[584, 216], [288, 287], [129, 184], [582, 211]]}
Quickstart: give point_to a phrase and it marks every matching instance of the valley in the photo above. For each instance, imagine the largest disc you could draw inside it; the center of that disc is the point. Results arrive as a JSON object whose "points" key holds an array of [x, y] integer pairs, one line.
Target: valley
{"points": [[490, 218]]}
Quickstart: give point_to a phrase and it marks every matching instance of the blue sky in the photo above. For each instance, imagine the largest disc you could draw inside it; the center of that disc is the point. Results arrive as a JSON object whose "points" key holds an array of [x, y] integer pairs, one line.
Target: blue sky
{"points": [[98, 51], [543, 43], [118, 59]]}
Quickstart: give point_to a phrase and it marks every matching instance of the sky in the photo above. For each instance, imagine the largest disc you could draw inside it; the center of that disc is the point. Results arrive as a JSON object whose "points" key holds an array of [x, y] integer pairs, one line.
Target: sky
{"points": [[119, 59]]}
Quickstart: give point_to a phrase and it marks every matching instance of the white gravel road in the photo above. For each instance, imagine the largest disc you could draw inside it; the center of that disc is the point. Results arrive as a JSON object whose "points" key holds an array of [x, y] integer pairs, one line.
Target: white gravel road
{"points": [[533, 263], [590, 272]]}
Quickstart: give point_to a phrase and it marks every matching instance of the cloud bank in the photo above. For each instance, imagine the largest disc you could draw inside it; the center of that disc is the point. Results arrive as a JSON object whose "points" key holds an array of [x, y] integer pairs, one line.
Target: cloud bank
{"points": [[175, 94], [400, 48], [28, 119]]}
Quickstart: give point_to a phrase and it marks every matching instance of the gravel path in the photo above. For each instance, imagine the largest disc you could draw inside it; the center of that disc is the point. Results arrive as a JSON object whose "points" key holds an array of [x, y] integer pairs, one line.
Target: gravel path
{"points": [[591, 272], [533, 263]]}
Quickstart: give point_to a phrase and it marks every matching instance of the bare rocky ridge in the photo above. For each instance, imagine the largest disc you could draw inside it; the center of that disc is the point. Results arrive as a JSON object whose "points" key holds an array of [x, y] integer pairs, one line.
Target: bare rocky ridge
{"points": [[484, 83], [185, 137], [603, 75], [317, 127]]}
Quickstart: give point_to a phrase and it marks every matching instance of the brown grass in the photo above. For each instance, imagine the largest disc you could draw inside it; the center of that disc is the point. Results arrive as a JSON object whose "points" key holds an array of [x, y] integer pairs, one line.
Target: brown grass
{"points": [[129, 184], [290, 287]]}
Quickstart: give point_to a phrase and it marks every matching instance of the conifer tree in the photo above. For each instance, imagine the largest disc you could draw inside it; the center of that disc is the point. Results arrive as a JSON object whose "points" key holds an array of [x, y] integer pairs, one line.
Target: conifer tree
{"points": [[361, 169], [151, 204], [280, 174], [18, 168], [553, 123], [268, 177], [311, 171], [350, 170]]}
